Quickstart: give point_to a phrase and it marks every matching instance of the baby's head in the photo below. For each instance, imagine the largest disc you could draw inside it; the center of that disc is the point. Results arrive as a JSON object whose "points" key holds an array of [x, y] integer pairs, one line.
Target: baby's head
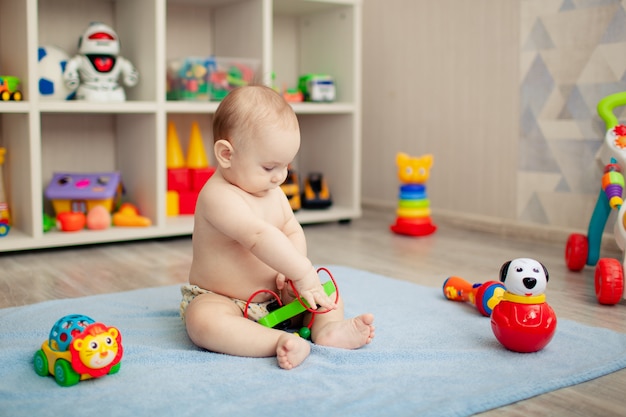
{"points": [[247, 109], [256, 135]]}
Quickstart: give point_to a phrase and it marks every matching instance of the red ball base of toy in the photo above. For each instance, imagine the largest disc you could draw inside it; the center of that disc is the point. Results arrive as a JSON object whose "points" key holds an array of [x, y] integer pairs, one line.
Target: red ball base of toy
{"points": [[522, 327], [413, 227]]}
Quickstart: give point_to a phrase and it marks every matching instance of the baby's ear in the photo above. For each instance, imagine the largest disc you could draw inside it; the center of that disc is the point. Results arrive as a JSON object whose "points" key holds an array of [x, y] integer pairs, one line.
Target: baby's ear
{"points": [[223, 152]]}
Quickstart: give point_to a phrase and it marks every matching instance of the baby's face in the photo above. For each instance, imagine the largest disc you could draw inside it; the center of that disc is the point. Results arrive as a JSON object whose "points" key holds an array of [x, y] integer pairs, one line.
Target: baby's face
{"points": [[261, 164]]}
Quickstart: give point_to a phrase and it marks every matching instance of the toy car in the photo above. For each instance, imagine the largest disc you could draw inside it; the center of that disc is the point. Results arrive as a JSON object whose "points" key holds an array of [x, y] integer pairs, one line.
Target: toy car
{"points": [[9, 88], [79, 348], [291, 188], [316, 194], [317, 87]]}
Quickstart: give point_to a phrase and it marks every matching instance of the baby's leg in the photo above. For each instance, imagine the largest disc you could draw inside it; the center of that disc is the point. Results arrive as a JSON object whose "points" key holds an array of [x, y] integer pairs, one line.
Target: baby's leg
{"points": [[215, 323], [332, 329]]}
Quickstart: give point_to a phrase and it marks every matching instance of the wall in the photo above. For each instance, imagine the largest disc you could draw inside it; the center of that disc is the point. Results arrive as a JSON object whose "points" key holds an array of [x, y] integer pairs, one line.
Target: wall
{"points": [[441, 77], [503, 93], [573, 53]]}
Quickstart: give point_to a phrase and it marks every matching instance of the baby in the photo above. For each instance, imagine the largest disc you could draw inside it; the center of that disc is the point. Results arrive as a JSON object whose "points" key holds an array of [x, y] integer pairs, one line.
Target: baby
{"points": [[246, 238]]}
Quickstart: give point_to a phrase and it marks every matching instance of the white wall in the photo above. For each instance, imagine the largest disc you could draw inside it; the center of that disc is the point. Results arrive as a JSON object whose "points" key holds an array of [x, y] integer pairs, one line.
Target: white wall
{"points": [[442, 77]]}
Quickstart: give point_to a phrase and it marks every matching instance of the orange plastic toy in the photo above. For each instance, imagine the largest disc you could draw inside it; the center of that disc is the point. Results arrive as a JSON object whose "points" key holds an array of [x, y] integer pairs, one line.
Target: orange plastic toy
{"points": [[128, 216], [71, 221], [484, 296]]}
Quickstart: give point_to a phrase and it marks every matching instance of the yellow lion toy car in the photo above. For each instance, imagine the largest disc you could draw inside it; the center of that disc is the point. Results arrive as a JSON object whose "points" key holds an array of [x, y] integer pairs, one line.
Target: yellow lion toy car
{"points": [[79, 348]]}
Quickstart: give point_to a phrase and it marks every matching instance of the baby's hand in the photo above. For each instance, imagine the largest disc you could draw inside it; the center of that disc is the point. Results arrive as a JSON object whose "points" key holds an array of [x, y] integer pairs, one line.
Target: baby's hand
{"points": [[310, 289], [285, 288], [280, 282]]}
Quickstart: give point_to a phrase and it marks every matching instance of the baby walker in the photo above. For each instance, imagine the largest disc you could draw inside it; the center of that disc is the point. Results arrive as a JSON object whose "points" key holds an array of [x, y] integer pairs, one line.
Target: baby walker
{"points": [[584, 250]]}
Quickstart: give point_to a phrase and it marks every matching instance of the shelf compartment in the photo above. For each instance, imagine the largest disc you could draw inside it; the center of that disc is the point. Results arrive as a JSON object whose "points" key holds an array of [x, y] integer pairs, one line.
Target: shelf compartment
{"points": [[62, 22], [224, 29], [327, 147], [315, 37], [19, 166], [13, 43], [105, 142]]}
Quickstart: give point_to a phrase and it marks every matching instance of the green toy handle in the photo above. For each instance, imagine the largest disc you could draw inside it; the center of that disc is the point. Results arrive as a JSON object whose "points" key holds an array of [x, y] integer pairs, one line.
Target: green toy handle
{"points": [[292, 309], [606, 106]]}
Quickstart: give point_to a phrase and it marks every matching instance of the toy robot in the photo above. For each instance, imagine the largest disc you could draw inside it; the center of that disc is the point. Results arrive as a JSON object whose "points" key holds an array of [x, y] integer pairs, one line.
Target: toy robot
{"points": [[95, 71], [522, 321]]}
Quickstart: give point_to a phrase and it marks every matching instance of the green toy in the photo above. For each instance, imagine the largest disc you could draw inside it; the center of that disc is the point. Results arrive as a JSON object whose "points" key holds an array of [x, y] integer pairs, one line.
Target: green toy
{"points": [[292, 309]]}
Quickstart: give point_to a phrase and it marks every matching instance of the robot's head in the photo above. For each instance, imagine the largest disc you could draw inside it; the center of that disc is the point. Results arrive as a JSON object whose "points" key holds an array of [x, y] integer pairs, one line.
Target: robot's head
{"points": [[99, 39]]}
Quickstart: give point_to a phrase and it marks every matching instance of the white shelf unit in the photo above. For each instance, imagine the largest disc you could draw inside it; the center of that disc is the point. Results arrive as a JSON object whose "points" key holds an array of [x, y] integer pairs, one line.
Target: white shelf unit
{"points": [[288, 37]]}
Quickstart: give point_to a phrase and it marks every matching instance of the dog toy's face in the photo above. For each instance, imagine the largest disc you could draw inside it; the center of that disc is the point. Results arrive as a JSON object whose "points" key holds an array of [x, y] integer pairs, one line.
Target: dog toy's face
{"points": [[524, 276]]}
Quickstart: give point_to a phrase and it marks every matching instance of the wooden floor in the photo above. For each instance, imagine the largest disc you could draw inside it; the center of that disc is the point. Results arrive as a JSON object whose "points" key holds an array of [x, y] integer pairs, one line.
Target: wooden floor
{"points": [[366, 243]]}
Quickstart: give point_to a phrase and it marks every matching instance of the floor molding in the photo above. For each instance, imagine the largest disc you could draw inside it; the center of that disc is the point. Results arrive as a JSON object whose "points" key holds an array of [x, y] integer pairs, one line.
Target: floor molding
{"points": [[501, 227]]}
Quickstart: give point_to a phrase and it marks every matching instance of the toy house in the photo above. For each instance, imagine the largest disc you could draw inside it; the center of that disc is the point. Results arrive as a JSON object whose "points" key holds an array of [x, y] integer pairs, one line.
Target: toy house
{"points": [[80, 192]]}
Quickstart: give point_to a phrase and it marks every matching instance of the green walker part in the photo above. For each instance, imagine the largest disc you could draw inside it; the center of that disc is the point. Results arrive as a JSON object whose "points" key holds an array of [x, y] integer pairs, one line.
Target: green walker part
{"points": [[605, 108], [292, 309]]}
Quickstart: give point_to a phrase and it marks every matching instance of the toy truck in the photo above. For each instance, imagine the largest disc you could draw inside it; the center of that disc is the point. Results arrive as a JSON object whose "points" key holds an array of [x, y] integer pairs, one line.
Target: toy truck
{"points": [[9, 88], [317, 87]]}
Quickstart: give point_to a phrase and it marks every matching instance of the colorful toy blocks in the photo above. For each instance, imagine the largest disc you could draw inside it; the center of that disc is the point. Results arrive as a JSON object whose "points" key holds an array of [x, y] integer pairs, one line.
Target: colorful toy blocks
{"points": [[185, 177], [413, 212]]}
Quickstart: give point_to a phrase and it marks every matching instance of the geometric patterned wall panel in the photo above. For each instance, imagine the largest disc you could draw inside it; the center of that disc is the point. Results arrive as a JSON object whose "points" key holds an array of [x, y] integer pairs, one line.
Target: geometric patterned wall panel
{"points": [[573, 53]]}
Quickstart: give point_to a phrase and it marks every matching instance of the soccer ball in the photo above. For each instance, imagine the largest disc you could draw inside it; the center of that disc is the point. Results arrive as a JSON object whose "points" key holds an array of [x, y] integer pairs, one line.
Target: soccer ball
{"points": [[51, 63]]}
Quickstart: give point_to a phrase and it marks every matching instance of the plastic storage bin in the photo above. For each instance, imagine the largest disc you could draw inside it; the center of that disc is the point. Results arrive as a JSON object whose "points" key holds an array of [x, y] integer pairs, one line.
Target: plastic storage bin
{"points": [[188, 78], [208, 78]]}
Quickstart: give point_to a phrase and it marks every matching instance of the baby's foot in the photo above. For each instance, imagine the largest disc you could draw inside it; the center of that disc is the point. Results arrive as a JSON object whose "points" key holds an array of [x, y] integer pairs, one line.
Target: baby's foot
{"points": [[291, 351], [347, 334]]}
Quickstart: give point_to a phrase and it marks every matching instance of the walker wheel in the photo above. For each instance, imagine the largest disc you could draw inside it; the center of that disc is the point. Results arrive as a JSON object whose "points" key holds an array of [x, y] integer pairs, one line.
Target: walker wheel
{"points": [[576, 252], [609, 281]]}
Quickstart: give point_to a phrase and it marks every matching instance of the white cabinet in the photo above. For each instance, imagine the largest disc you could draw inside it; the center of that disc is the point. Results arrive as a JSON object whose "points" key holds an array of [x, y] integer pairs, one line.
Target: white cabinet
{"points": [[288, 38]]}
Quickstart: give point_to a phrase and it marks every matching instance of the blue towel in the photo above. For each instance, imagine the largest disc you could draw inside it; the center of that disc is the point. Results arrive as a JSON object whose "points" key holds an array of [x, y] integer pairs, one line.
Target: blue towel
{"points": [[430, 357]]}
